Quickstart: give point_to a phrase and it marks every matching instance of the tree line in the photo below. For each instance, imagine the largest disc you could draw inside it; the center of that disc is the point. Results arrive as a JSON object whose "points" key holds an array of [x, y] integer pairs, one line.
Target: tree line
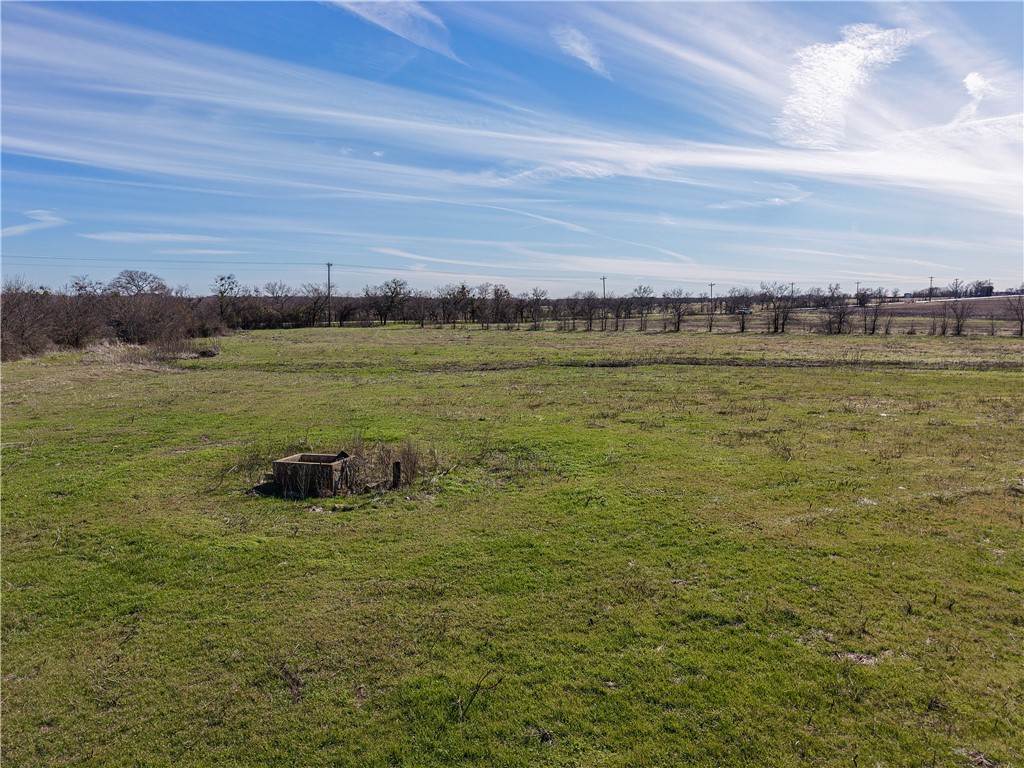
{"points": [[139, 307]]}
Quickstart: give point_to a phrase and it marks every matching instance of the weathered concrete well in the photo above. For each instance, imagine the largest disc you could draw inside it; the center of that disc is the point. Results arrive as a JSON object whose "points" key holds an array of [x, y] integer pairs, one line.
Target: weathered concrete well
{"points": [[312, 474]]}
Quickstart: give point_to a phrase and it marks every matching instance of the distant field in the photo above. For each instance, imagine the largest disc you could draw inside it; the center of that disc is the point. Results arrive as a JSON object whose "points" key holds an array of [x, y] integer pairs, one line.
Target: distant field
{"points": [[637, 550]]}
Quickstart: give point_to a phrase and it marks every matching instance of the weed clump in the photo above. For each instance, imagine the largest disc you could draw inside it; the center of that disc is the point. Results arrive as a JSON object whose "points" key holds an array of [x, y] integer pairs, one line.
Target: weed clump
{"points": [[158, 352], [364, 467]]}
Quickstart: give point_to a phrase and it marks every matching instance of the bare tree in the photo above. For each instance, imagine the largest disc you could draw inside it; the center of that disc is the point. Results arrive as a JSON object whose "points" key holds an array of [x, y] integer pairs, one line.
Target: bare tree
{"points": [[677, 304], [483, 305], [23, 318], [417, 308], [314, 303], [777, 299], [538, 300], [709, 302], [228, 290], [835, 317], [981, 288], [520, 307], [871, 312], [280, 298], [573, 304], [739, 302], [143, 309], [962, 311], [590, 306], [1016, 306], [502, 305], [621, 307], [940, 319], [77, 313], [454, 300], [386, 300], [134, 282], [642, 296], [558, 310]]}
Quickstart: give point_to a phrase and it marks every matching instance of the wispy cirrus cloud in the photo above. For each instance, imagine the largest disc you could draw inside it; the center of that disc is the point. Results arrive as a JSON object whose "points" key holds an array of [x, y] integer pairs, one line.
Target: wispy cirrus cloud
{"points": [[408, 20], [576, 44], [42, 220], [198, 252], [471, 146], [149, 237], [402, 254], [168, 115], [785, 194], [827, 77]]}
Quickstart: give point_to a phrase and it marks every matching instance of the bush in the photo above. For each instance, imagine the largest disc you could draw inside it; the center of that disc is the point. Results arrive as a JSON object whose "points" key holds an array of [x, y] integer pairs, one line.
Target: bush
{"points": [[24, 319]]}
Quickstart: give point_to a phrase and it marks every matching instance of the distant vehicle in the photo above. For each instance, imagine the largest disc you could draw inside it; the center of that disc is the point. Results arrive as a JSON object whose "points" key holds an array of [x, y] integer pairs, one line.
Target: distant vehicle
{"points": [[745, 311]]}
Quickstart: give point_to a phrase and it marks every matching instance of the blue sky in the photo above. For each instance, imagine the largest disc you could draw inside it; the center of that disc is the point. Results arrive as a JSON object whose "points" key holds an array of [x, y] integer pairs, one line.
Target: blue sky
{"points": [[531, 144]]}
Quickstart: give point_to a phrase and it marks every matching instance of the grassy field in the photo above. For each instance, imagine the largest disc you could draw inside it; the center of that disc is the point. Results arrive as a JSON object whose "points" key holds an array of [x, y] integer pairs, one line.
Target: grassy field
{"points": [[637, 550]]}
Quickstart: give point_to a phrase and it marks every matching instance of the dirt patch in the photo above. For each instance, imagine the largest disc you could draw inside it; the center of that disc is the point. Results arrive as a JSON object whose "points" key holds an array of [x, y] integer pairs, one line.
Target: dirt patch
{"points": [[864, 659]]}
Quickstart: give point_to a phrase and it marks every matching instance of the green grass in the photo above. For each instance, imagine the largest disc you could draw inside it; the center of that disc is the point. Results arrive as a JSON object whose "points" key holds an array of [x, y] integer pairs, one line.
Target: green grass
{"points": [[648, 550]]}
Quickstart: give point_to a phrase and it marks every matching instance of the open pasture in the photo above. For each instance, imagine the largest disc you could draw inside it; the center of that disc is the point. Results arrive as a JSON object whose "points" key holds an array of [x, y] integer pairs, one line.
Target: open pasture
{"points": [[636, 549]]}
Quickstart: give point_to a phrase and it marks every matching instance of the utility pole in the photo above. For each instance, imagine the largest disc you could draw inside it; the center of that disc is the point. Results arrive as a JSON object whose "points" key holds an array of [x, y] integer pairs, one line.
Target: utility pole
{"points": [[711, 306], [930, 279], [604, 305], [329, 265]]}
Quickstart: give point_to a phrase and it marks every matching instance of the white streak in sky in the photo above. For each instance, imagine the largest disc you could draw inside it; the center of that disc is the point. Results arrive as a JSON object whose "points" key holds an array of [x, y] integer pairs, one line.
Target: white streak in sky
{"points": [[574, 43], [408, 20], [197, 252], [149, 237], [826, 79], [43, 220], [787, 194]]}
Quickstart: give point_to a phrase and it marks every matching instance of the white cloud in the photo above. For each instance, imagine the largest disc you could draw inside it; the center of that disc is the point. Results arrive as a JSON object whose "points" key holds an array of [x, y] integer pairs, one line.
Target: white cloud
{"points": [[111, 98], [43, 220], [197, 252], [689, 55], [787, 194], [149, 237], [408, 20], [458, 262], [544, 219], [978, 88], [472, 146], [826, 78], [574, 43]]}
